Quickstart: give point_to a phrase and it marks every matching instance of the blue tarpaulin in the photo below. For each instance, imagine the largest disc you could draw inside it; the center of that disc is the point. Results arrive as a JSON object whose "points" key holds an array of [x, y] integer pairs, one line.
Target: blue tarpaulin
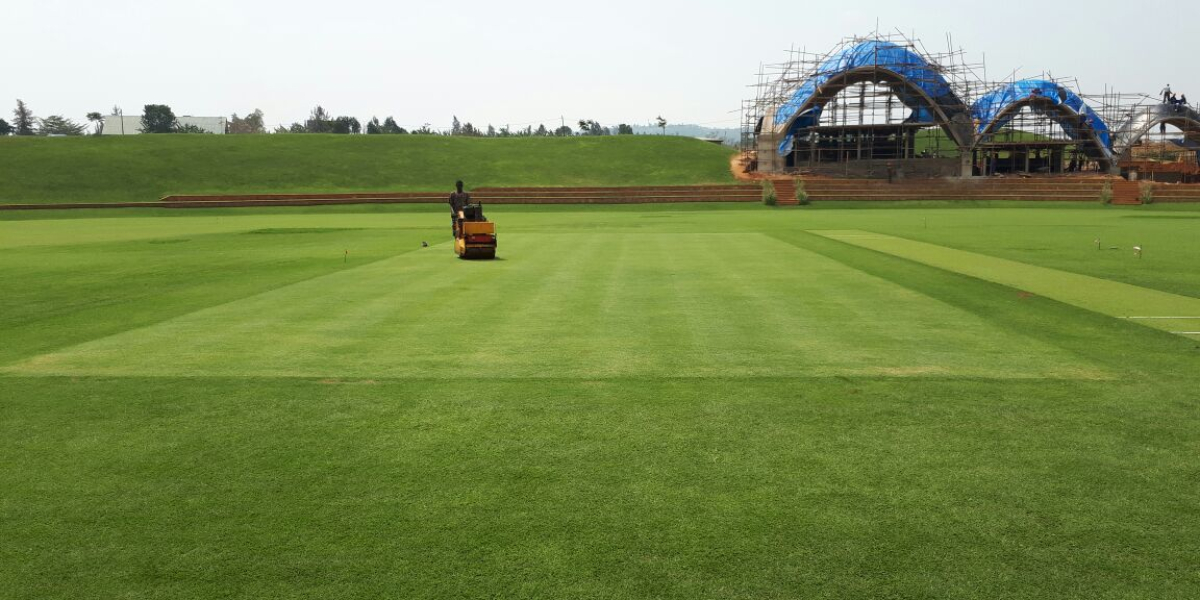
{"points": [[991, 111], [876, 54]]}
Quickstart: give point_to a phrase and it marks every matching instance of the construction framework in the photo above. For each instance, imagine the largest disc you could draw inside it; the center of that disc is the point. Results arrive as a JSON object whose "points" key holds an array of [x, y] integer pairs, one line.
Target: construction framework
{"points": [[1157, 141], [884, 105], [1040, 125], [870, 105]]}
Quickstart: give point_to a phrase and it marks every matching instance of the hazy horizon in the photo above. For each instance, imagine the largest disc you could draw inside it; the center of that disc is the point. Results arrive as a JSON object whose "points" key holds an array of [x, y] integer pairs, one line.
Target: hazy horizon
{"points": [[531, 62]]}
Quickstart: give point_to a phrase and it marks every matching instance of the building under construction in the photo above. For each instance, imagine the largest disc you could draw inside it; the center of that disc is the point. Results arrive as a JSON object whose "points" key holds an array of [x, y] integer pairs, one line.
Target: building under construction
{"points": [[884, 106]]}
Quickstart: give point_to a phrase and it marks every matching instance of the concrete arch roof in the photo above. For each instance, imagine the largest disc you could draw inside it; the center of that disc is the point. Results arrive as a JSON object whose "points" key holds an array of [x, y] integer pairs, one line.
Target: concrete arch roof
{"points": [[916, 82], [996, 108], [1145, 118]]}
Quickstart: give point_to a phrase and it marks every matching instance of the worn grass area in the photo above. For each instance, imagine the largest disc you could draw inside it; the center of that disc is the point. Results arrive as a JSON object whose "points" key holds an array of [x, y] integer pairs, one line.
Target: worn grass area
{"points": [[145, 168], [694, 402]]}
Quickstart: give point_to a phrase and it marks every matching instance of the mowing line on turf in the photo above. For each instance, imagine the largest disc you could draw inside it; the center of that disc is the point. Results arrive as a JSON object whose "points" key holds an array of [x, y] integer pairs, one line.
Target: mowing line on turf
{"points": [[61, 232], [1190, 318], [1151, 308]]}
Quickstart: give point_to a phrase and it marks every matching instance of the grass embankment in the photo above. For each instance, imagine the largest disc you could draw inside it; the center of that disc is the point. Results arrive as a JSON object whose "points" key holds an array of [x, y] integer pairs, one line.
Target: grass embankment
{"points": [[634, 403], [145, 168]]}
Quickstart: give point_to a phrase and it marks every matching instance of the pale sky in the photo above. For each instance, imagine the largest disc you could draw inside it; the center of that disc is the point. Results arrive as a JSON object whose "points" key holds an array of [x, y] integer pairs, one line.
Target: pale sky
{"points": [[534, 61]]}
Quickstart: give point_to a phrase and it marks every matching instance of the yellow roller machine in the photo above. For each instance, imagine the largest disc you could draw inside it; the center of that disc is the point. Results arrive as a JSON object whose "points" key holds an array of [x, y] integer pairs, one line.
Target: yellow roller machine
{"points": [[474, 235]]}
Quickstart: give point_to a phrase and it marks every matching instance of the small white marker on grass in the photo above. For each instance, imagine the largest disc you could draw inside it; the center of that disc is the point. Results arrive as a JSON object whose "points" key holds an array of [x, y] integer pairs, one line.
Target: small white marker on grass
{"points": [[1137, 251]]}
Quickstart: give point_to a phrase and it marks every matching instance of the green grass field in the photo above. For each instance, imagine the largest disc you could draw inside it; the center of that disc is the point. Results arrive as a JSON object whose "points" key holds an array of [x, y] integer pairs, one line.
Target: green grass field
{"points": [[36, 170], [684, 401]]}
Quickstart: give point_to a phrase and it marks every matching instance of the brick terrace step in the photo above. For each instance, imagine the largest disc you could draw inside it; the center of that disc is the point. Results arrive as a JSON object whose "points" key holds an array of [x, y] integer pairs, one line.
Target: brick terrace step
{"points": [[694, 188], [1084, 189], [785, 192], [277, 197]]}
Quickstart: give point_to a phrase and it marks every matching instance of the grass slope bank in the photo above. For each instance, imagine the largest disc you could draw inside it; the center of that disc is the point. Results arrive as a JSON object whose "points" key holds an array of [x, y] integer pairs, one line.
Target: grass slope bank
{"points": [[144, 168]]}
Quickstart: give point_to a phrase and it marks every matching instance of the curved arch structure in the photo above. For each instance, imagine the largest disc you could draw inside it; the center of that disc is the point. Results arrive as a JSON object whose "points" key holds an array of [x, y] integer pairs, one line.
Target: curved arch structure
{"points": [[997, 108], [917, 83], [1145, 118]]}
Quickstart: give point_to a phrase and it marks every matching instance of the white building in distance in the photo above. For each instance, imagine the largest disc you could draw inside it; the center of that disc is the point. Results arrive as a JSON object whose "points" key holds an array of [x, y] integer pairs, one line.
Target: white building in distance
{"points": [[132, 125]]}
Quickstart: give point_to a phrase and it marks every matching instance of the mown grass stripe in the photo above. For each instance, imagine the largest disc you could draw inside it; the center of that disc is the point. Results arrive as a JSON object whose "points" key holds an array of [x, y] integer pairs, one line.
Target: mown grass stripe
{"points": [[1189, 318], [580, 305], [1104, 296]]}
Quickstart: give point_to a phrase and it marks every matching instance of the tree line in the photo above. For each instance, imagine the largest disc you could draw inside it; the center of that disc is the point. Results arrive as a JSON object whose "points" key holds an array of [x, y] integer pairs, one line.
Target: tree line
{"points": [[156, 118], [321, 120], [26, 123], [159, 118]]}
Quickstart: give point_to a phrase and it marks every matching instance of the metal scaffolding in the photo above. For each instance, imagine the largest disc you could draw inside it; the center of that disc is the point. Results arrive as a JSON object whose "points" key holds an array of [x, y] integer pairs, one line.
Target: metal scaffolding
{"points": [[867, 115], [839, 113]]}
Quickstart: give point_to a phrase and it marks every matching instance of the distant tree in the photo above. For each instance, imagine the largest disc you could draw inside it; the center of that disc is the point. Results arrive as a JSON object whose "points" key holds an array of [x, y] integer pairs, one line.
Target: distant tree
{"points": [[456, 127], [373, 126], [346, 125], [254, 122], [5, 128], [251, 123], [563, 131], [424, 130], [189, 128], [319, 121], [491, 131], [23, 119], [469, 129], [624, 129], [58, 125], [590, 127], [390, 126], [504, 132], [97, 121], [541, 131], [158, 118], [662, 124]]}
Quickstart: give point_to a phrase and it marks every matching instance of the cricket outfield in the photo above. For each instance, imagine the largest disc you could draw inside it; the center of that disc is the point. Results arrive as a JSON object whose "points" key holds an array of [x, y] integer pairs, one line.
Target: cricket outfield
{"points": [[684, 401]]}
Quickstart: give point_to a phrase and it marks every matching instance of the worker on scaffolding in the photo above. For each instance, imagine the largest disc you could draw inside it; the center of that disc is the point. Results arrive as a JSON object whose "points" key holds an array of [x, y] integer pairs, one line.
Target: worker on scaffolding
{"points": [[1166, 94], [1178, 102]]}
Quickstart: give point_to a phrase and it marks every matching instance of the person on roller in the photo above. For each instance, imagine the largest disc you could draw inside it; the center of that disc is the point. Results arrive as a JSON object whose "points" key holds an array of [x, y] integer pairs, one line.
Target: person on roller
{"points": [[458, 200]]}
